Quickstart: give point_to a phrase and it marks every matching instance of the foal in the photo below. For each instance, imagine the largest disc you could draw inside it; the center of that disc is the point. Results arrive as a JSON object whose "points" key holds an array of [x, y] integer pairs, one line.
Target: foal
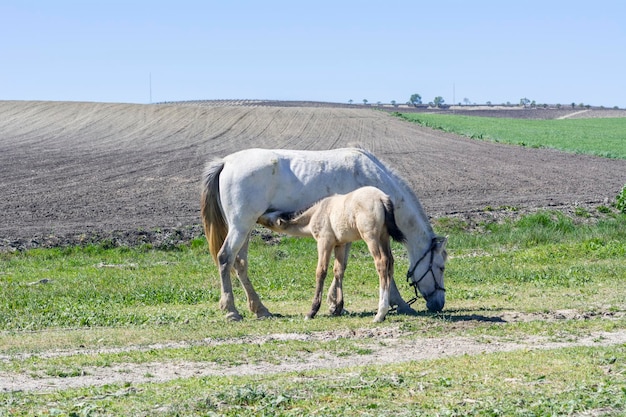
{"points": [[335, 222]]}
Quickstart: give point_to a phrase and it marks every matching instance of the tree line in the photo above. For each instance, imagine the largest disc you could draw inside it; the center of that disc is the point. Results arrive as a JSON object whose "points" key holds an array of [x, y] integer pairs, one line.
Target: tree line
{"points": [[416, 101]]}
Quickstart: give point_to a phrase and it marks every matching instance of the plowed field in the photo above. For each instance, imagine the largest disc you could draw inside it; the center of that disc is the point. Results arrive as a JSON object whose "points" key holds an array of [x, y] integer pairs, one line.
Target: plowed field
{"points": [[71, 171]]}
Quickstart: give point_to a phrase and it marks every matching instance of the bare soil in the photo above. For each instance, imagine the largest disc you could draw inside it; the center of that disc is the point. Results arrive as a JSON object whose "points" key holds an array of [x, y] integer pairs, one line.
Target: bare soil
{"points": [[82, 172]]}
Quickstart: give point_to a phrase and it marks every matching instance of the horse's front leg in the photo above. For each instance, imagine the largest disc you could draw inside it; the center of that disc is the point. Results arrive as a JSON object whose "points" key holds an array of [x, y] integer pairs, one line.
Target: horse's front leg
{"points": [[335, 292], [241, 267], [395, 299], [323, 257]]}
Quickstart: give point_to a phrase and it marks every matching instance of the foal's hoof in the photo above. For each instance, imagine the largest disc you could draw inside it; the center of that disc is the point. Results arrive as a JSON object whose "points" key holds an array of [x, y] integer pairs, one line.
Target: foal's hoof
{"points": [[379, 319], [233, 316]]}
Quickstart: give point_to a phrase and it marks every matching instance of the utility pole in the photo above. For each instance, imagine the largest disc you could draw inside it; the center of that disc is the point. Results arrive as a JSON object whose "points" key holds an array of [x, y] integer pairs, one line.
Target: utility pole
{"points": [[453, 94]]}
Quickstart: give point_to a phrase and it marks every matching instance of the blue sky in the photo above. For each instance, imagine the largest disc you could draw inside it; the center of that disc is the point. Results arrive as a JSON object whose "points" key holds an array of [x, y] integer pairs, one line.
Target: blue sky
{"points": [[498, 51]]}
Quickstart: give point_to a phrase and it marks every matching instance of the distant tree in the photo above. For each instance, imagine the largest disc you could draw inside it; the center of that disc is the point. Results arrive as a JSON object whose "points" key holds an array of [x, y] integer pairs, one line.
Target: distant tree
{"points": [[581, 105], [524, 102], [533, 104], [415, 99], [438, 102], [573, 104], [558, 106], [393, 103], [466, 101], [489, 103], [378, 103], [365, 102], [350, 101]]}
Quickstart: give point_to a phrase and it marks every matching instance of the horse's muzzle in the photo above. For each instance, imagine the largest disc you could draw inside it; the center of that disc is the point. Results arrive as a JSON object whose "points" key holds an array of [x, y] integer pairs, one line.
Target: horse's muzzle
{"points": [[436, 301]]}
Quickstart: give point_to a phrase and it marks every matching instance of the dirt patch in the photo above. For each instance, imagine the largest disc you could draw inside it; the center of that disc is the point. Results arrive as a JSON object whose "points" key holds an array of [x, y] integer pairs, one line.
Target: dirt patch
{"points": [[383, 346], [382, 349], [84, 172]]}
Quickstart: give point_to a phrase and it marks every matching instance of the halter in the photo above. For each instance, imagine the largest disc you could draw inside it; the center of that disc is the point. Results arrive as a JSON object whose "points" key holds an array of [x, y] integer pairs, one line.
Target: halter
{"points": [[411, 271]]}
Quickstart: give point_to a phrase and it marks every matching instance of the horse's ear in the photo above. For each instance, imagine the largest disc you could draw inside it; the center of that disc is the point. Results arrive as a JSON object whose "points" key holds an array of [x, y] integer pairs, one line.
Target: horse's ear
{"points": [[440, 242]]}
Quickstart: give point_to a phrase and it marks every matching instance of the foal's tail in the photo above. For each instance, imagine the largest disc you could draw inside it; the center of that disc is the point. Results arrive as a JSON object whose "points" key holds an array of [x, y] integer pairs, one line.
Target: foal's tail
{"points": [[215, 227], [390, 221]]}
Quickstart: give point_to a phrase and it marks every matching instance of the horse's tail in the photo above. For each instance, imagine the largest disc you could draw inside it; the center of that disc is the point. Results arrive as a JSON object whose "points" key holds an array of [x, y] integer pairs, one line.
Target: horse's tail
{"points": [[390, 221], [215, 227]]}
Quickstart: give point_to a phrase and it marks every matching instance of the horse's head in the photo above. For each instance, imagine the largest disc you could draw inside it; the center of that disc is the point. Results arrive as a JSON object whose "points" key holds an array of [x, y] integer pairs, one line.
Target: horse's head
{"points": [[427, 274]]}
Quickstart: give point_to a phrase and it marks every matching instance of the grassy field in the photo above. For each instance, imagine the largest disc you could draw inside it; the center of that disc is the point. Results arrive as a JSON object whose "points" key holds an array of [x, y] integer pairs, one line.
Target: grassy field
{"points": [[601, 137], [99, 297]]}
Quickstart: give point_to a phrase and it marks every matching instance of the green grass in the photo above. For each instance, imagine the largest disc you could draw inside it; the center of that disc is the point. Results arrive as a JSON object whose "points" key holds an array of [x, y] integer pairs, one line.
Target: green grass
{"points": [[100, 297], [601, 137], [122, 287]]}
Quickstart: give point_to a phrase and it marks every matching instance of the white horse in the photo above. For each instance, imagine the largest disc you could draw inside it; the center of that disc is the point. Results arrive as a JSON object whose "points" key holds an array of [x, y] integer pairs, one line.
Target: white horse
{"points": [[240, 187], [364, 214]]}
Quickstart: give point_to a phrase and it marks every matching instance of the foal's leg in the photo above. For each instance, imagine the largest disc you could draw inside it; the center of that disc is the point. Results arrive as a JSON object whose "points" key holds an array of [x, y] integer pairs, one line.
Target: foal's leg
{"points": [[241, 267], [335, 292], [324, 250], [381, 253], [395, 299]]}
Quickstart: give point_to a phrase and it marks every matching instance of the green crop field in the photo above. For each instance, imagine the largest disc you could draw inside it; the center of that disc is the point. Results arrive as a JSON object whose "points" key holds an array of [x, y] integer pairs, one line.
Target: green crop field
{"points": [[602, 137]]}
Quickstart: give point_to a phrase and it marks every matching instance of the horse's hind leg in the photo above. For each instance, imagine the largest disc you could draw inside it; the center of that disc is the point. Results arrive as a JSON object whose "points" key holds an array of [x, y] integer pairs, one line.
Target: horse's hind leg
{"points": [[323, 257], [335, 292], [234, 254], [226, 260], [241, 267]]}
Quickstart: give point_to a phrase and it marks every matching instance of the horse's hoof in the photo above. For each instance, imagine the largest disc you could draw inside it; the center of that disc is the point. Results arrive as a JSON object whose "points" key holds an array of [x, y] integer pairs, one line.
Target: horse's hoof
{"points": [[263, 313], [407, 310], [233, 316], [265, 316]]}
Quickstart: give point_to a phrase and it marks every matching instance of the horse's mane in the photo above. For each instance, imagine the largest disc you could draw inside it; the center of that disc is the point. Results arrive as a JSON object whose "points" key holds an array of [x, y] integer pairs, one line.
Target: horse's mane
{"points": [[401, 182]]}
